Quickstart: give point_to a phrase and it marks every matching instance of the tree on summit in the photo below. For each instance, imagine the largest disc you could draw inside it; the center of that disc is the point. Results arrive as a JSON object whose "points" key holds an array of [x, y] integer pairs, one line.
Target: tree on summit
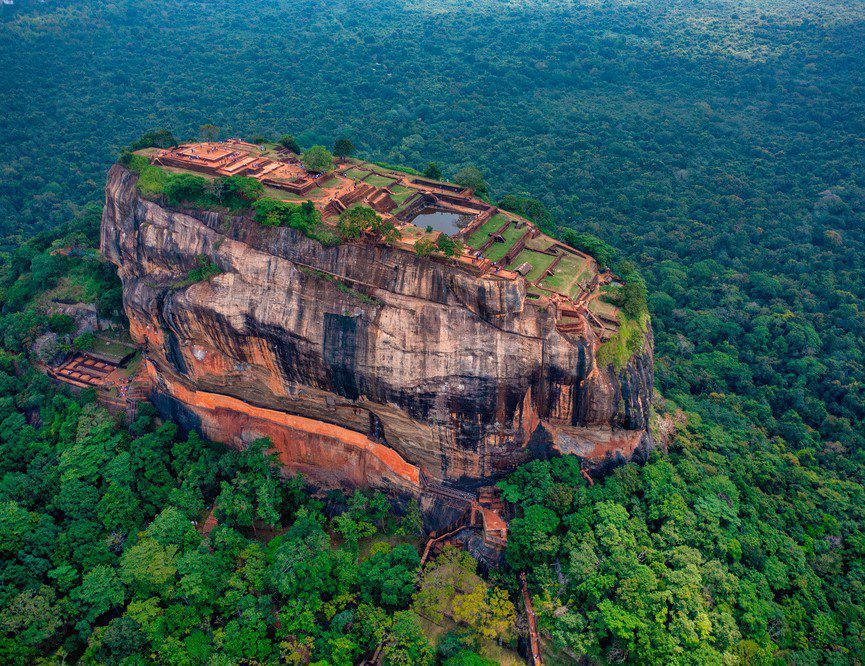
{"points": [[343, 148], [433, 171], [471, 177], [157, 139], [288, 142], [358, 220], [317, 159]]}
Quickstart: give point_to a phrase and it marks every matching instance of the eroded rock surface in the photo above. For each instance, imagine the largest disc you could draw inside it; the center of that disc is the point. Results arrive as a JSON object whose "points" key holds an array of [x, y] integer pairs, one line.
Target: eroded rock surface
{"points": [[365, 364]]}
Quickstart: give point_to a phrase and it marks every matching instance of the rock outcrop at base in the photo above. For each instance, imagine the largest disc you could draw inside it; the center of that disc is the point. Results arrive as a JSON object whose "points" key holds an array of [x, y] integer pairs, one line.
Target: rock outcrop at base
{"points": [[365, 364]]}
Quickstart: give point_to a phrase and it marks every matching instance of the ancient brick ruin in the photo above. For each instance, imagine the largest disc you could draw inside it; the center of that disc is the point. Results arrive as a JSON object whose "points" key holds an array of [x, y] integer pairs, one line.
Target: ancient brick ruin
{"points": [[497, 244]]}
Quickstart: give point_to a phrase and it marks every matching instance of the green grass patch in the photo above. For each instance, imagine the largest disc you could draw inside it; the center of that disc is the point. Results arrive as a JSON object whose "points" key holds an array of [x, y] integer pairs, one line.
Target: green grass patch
{"points": [[172, 169], [110, 349], [405, 204], [602, 307], [401, 193], [482, 235], [282, 195], [624, 345], [498, 250], [151, 179], [582, 281], [379, 181], [540, 263], [411, 232], [396, 167], [357, 174], [566, 272], [540, 243]]}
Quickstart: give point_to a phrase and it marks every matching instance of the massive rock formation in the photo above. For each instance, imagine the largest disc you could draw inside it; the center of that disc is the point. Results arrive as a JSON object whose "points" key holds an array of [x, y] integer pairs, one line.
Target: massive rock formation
{"points": [[364, 364]]}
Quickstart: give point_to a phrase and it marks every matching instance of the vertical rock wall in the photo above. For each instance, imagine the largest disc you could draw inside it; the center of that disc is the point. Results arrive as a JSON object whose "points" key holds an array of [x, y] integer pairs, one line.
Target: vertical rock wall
{"points": [[458, 376]]}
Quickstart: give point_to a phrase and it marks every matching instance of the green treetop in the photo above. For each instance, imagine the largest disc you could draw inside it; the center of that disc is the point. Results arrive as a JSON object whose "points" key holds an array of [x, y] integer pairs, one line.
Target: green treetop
{"points": [[343, 147], [317, 159]]}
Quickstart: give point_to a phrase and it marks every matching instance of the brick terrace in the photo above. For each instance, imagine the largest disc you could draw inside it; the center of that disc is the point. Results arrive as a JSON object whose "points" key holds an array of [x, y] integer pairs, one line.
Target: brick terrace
{"points": [[498, 244]]}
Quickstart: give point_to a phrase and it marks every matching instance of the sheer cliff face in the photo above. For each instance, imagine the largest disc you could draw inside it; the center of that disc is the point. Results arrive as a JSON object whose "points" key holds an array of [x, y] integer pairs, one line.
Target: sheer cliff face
{"points": [[364, 364]]}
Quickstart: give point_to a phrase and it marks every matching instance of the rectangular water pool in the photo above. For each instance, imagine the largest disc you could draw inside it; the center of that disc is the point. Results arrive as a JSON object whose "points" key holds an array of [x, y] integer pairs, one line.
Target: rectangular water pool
{"points": [[446, 221]]}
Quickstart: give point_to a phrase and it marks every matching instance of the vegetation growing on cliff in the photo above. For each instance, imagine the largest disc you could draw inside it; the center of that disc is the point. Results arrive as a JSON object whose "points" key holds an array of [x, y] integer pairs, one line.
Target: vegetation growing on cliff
{"points": [[274, 213], [151, 179], [444, 244], [303, 217], [205, 268], [633, 315], [341, 285], [234, 193], [358, 221], [625, 344]]}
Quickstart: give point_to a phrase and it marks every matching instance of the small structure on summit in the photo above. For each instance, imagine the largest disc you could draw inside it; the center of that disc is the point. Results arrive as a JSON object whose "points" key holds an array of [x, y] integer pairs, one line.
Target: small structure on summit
{"points": [[524, 268]]}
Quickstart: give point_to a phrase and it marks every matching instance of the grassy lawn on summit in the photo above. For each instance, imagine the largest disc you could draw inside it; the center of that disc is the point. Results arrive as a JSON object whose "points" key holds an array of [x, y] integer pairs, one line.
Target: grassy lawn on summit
{"points": [[482, 235], [379, 181], [356, 174], [540, 263], [566, 274], [498, 250], [401, 193]]}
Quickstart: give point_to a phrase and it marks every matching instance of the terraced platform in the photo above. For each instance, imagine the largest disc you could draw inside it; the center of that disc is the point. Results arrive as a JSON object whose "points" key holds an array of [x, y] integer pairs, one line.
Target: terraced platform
{"points": [[496, 244]]}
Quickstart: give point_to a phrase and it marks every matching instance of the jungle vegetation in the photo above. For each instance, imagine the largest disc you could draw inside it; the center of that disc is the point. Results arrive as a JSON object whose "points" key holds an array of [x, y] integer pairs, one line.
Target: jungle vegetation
{"points": [[717, 146]]}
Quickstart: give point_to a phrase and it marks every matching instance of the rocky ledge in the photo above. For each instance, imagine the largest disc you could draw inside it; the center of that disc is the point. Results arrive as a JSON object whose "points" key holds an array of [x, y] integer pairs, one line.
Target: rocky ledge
{"points": [[365, 364]]}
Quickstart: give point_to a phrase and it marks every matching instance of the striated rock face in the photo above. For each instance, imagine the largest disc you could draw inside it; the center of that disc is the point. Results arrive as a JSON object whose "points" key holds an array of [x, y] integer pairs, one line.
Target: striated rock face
{"points": [[364, 364]]}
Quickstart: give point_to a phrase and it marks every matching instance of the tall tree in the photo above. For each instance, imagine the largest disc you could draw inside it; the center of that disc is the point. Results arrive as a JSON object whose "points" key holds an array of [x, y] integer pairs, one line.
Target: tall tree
{"points": [[472, 177], [433, 171], [288, 142], [343, 148], [317, 159]]}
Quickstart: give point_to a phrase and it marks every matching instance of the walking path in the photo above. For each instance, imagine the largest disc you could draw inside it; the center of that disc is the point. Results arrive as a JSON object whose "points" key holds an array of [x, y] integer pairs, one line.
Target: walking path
{"points": [[534, 639]]}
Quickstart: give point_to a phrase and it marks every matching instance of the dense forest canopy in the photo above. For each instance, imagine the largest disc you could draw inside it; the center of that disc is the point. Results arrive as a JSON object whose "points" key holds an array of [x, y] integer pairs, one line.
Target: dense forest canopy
{"points": [[720, 146]]}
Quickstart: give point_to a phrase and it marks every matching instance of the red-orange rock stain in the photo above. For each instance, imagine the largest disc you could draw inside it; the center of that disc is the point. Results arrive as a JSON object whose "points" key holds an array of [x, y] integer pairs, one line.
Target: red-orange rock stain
{"points": [[300, 442]]}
